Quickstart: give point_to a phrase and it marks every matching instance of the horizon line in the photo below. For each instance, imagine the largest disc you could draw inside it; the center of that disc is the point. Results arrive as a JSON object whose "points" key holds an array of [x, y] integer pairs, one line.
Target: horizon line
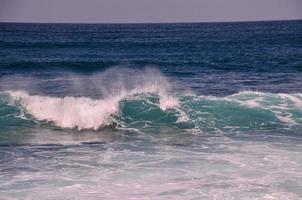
{"points": [[184, 22]]}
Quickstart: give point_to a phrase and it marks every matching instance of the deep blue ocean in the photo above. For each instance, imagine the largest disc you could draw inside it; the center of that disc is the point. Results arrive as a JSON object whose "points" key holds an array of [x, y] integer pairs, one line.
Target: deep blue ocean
{"points": [[151, 111]]}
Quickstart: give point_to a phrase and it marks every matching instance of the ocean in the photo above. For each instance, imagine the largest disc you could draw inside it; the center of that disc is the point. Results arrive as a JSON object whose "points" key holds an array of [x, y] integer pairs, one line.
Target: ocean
{"points": [[151, 111]]}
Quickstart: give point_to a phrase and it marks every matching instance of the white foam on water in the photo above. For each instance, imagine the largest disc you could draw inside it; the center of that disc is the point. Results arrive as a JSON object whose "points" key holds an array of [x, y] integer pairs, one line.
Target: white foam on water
{"points": [[215, 168], [68, 112], [297, 101], [166, 102], [250, 103], [286, 119]]}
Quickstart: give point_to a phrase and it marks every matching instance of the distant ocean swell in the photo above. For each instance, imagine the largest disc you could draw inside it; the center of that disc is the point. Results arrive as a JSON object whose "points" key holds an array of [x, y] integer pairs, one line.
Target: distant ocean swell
{"points": [[149, 108]]}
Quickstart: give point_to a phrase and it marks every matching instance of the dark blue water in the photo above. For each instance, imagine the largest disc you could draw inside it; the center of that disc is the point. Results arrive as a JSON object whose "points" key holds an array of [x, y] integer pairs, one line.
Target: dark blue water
{"points": [[157, 111], [218, 59]]}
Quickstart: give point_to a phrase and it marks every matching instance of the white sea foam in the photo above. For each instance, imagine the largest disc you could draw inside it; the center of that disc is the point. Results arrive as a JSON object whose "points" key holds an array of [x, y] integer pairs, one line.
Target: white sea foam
{"points": [[297, 101], [286, 119], [250, 103], [68, 112], [166, 102]]}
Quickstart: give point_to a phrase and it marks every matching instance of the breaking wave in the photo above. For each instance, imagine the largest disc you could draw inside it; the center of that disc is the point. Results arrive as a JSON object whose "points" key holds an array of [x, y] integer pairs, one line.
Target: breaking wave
{"points": [[144, 111], [149, 102]]}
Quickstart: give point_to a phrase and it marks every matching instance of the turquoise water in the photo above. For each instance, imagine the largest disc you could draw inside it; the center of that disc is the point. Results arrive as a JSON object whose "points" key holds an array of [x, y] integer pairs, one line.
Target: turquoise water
{"points": [[151, 111]]}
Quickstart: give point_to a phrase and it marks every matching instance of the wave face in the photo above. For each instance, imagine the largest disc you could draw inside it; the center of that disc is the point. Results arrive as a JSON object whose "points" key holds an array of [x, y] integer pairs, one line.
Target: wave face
{"points": [[148, 108]]}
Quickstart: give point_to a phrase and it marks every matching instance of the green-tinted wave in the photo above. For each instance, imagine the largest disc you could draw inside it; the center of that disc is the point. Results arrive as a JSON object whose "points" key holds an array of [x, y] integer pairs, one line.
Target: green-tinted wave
{"points": [[245, 111]]}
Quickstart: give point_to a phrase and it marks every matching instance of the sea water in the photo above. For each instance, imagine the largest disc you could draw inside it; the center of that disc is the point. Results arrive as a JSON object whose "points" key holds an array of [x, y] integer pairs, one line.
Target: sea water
{"points": [[151, 111]]}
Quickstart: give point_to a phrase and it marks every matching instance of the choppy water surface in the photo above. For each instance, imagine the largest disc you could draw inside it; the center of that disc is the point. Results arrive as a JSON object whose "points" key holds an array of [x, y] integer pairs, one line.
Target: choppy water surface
{"points": [[170, 111]]}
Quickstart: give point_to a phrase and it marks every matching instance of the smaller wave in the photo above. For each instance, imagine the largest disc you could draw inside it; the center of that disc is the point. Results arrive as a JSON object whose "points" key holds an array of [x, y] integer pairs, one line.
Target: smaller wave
{"points": [[265, 110]]}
